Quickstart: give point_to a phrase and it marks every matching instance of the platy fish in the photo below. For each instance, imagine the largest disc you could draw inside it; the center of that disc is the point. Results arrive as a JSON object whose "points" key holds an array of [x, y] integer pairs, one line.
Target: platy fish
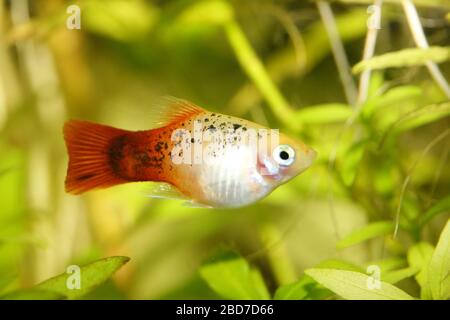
{"points": [[209, 159]]}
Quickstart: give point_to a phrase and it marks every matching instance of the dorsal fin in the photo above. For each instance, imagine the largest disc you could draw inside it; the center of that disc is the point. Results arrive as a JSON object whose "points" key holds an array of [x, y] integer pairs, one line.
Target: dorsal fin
{"points": [[172, 109]]}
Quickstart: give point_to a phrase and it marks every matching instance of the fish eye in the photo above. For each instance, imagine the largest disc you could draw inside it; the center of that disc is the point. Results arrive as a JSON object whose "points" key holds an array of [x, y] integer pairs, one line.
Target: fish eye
{"points": [[284, 155]]}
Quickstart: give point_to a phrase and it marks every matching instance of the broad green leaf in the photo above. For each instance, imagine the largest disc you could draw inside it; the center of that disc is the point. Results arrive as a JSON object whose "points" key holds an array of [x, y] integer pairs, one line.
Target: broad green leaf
{"points": [[419, 256], [399, 275], [442, 206], [325, 113], [234, 279], [355, 285], [33, 294], [370, 231], [92, 275], [439, 267], [307, 288], [404, 58]]}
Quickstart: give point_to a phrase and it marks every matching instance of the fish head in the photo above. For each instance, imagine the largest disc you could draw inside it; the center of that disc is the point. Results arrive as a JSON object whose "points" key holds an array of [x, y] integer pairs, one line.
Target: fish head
{"points": [[284, 159]]}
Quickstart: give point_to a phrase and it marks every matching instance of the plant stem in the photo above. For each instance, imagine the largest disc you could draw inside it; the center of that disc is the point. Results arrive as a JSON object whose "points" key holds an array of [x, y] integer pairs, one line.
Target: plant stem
{"points": [[254, 68], [369, 49], [421, 41], [338, 51]]}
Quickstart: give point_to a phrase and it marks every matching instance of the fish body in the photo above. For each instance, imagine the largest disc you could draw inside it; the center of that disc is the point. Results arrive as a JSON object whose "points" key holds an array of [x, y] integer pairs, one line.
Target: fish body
{"points": [[211, 159]]}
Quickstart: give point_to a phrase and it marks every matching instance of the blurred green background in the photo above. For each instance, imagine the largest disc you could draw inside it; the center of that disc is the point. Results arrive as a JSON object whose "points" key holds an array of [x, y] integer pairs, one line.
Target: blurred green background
{"points": [[266, 61]]}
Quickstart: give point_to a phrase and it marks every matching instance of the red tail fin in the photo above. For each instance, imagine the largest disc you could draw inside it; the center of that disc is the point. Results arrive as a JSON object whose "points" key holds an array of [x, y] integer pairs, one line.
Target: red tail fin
{"points": [[88, 147]]}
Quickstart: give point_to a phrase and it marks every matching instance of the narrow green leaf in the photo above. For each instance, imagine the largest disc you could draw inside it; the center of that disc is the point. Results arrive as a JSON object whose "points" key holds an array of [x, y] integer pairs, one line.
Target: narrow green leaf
{"points": [[259, 285], [295, 291], [210, 12], [324, 113], [234, 279], [391, 99], [399, 275], [350, 162], [404, 58], [370, 231], [442, 206], [355, 285], [389, 264], [92, 275], [421, 117], [419, 256], [439, 267]]}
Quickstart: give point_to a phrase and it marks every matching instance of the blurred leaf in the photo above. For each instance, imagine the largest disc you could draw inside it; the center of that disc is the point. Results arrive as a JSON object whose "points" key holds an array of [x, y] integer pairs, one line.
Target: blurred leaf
{"points": [[234, 279], [392, 98], [354, 285], [370, 231], [350, 162], [442, 206], [404, 58], [439, 267], [298, 290], [324, 113], [121, 20], [399, 275], [419, 256], [425, 3], [210, 12], [421, 117], [33, 294], [92, 275], [389, 264], [307, 288]]}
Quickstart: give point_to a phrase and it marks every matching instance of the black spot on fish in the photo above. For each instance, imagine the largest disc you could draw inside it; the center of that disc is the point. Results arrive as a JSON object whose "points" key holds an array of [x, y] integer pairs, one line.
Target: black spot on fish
{"points": [[236, 126]]}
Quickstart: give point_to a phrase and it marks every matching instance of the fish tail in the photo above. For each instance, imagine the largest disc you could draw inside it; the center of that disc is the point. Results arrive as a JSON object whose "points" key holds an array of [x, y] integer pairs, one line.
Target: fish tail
{"points": [[88, 145]]}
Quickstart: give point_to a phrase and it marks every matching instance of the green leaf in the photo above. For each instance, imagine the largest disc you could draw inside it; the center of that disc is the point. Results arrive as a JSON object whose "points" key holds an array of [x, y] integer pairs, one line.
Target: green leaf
{"points": [[33, 294], [354, 285], [389, 264], [210, 12], [351, 162], [294, 291], [307, 288], [324, 113], [421, 117], [370, 231], [392, 99], [399, 275], [92, 275], [234, 279], [419, 256], [404, 58], [121, 20], [442, 206], [439, 267]]}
